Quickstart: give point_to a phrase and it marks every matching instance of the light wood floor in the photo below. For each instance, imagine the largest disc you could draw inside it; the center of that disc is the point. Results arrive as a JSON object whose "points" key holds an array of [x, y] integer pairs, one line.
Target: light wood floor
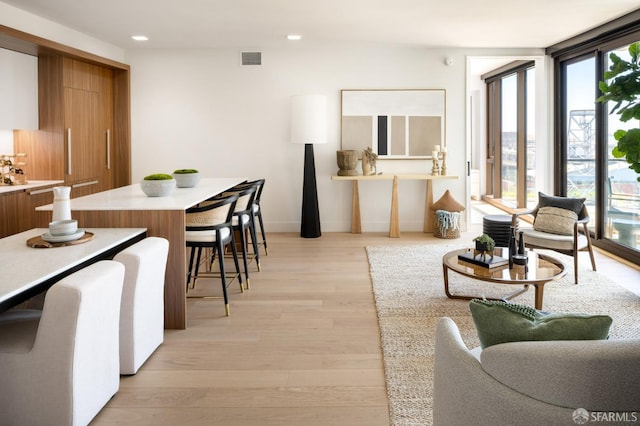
{"points": [[301, 347]]}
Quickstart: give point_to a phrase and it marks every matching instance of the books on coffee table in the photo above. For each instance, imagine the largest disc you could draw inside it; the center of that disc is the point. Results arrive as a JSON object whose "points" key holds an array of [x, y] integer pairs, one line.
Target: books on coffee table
{"points": [[483, 259]]}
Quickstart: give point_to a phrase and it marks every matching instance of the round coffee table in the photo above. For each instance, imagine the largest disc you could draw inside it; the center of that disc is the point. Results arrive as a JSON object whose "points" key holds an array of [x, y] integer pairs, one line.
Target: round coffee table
{"points": [[540, 270]]}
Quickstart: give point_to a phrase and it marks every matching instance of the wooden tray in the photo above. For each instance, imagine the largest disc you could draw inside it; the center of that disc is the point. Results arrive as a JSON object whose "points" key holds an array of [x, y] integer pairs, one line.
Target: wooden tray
{"points": [[38, 242]]}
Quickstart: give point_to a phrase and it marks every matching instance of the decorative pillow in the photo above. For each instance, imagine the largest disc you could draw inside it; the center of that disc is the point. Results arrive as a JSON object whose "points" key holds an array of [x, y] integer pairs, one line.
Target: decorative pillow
{"points": [[574, 204], [555, 220], [501, 322], [447, 203]]}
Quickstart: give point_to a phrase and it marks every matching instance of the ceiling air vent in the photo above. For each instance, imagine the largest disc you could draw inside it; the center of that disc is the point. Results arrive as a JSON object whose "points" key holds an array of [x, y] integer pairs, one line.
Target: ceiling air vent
{"points": [[251, 58]]}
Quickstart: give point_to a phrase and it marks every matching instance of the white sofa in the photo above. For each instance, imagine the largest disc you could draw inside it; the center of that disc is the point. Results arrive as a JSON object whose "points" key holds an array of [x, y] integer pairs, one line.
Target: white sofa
{"points": [[532, 383]]}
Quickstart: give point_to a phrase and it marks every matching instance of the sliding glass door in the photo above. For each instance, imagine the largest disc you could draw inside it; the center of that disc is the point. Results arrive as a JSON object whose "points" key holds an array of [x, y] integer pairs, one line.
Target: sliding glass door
{"points": [[580, 131], [622, 190], [511, 135], [585, 166]]}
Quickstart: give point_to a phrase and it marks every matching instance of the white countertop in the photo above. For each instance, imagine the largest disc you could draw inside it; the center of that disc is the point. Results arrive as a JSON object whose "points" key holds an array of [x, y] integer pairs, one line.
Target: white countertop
{"points": [[32, 184], [132, 198], [24, 266]]}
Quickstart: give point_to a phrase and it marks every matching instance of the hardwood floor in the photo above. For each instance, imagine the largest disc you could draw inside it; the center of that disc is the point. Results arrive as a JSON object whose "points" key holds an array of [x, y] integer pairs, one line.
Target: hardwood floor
{"points": [[301, 347]]}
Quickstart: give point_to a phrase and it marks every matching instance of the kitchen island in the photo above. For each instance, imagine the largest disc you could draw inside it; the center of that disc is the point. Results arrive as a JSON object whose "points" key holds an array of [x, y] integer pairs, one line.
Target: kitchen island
{"points": [[129, 207]]}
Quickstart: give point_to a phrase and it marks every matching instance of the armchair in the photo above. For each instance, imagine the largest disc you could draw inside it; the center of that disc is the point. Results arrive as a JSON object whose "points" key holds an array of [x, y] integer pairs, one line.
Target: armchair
{"points": [[569, 244]]}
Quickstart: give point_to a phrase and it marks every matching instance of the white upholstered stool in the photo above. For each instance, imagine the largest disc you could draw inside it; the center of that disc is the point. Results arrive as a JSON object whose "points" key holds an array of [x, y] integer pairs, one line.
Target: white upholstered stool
{"points": [[142, 310], [59, 366]]}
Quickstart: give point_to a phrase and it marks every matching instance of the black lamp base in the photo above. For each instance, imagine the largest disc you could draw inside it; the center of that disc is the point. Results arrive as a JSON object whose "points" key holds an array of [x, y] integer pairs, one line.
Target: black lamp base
{"points": [[310, 223]]}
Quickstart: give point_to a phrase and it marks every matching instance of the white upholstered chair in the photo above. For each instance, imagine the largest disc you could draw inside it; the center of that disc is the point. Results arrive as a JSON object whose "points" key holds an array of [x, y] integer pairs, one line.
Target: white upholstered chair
{"points": [[142, 308], [579, 240], [60, 366]]}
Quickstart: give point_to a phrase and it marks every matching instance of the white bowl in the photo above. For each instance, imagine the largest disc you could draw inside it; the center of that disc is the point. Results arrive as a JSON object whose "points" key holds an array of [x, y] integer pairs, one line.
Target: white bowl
{"points": [[157, 188], [63, 227], [186, 180]]}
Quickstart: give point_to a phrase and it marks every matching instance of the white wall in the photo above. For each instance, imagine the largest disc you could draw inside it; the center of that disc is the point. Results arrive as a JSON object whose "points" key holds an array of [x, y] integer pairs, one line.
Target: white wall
{"points": [[202, 109]]}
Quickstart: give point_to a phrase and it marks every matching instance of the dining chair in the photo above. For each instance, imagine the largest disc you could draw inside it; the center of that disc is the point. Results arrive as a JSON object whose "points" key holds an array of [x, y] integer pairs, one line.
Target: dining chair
{"points": [[60, 366], [209, 225], [142, 308], [557, 226]]}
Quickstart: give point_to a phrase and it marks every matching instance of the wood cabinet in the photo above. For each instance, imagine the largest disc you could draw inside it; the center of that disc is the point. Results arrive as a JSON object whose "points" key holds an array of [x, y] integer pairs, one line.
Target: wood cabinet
{"points": [[75, 140], [8, 214]]}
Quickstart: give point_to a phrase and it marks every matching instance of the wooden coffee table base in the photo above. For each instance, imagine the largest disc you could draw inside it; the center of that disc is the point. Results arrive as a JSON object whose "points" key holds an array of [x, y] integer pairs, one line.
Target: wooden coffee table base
{"points": [[539, 291], [546, 269]]}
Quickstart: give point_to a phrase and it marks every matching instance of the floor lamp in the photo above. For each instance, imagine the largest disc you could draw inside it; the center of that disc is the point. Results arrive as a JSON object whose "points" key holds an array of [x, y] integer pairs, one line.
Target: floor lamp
{"points": [[309, 126]]}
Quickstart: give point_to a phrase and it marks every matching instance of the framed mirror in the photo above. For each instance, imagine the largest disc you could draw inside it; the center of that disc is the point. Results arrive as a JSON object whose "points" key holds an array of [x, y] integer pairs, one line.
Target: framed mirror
{"points": [[402, 124]]}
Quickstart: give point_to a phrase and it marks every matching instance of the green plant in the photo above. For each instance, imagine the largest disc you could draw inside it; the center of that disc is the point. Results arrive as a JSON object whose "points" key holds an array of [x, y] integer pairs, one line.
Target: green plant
{"points": [[185, 171], [622, 86], [158, 176], [486, 240]]}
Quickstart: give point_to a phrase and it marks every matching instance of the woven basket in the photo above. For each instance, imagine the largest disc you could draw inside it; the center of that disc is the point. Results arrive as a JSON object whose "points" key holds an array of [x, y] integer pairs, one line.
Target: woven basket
{"points": [[444, 232]]}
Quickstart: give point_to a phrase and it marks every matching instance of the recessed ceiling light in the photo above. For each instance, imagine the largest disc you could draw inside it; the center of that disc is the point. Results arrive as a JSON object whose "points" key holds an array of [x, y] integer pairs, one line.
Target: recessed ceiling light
{"points": [[294, 37], [140, 38]]}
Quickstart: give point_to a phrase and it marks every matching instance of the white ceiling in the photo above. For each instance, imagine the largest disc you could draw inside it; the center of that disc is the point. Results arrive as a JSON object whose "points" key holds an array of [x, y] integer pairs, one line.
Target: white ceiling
{"points": [[265, 23]]}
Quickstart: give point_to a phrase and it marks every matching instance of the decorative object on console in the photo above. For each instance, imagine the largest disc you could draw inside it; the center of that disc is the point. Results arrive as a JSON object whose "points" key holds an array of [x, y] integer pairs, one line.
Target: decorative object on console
{"points": [[435, 169], [308, 127], [369, 159], [158, 185], [347, 162], [186, 178]]}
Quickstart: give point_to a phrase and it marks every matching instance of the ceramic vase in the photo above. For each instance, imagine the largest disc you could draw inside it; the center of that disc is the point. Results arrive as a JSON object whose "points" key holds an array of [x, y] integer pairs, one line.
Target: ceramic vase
{"points": [[347, 162], [61, 203]]}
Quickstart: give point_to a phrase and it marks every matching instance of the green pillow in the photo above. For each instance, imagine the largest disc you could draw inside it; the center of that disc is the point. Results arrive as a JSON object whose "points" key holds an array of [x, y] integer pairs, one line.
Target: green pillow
{"points": [[501, 322]]}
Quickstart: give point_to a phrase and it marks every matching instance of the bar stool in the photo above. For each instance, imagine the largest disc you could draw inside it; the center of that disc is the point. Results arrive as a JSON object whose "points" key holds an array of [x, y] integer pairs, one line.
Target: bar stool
{"points": [[209, 225]]}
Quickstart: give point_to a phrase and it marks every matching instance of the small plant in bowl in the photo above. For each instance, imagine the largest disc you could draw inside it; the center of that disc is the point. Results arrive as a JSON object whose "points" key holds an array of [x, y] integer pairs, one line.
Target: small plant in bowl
{"points": [[485, 243], [157, 185], [186, 178]]}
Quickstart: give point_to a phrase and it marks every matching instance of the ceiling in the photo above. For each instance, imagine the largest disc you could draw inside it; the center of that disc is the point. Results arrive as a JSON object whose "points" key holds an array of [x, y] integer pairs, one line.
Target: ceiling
{"points": [[265, 23]]}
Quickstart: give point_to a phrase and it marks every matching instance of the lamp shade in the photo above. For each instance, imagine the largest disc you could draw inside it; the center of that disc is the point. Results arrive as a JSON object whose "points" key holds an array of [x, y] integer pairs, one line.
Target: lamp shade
{"points": [[309, 119]]}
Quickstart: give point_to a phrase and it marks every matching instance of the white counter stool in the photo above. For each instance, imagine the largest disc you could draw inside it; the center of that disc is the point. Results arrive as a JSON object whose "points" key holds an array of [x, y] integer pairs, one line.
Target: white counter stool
{"points": [[60, 366], [142, 308]]}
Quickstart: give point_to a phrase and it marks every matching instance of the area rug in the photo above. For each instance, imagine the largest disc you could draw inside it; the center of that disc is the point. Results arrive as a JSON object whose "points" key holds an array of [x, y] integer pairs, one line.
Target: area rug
{"points": [[408, 288]]}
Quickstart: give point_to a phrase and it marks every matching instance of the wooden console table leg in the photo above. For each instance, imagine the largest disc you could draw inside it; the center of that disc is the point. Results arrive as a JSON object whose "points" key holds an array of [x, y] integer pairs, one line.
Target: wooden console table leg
{"points": [[356, 224], [394, 223], [428, 202]]}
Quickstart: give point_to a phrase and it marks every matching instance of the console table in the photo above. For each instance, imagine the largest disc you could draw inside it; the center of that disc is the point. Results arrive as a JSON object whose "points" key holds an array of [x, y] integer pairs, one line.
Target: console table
{"points": [[394, 221]]}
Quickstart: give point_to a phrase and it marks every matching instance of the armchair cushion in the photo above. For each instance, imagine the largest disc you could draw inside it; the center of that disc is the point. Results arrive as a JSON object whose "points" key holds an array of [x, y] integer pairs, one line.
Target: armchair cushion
{"points": [[555, 220], [501, 322], [574, 204]]}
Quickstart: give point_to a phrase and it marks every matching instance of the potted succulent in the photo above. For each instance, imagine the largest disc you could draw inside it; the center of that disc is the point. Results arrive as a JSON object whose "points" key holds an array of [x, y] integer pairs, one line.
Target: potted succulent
{"points": [[484, 243], [621, 88], [186, 178], [158, 185]]}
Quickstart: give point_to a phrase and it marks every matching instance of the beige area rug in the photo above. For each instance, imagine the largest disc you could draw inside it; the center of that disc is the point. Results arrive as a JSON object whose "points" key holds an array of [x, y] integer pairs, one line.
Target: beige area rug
{"points": [[409, 293]]}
